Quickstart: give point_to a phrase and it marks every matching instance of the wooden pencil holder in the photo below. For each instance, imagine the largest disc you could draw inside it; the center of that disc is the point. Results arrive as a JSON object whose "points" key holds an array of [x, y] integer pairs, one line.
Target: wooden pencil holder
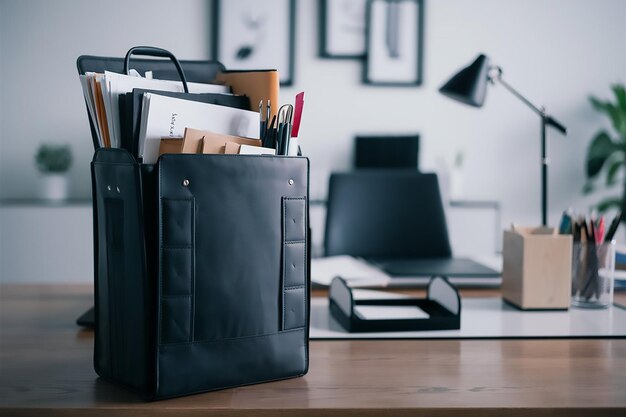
{"points": [[537, 266]]}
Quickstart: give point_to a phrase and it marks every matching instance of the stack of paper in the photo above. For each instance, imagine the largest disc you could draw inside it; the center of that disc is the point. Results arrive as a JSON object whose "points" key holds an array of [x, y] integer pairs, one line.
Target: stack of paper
{"points": [[102, 91], [168, 117]]}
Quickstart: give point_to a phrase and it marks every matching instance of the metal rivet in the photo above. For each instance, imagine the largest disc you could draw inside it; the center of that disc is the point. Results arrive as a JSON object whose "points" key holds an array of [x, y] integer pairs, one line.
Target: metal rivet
{"points": [[185, 183], [290, 181], [109, 187], [118, 189]]}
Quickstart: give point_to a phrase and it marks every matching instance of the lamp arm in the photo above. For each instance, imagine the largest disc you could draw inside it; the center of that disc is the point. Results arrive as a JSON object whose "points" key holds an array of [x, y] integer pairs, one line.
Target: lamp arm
{"points": [[541, 111]]}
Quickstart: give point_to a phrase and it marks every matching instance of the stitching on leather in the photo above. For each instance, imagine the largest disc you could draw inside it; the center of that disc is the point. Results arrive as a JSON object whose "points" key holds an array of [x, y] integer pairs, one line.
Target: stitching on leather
{"points": [[162, 253], [192, 271], [295, 287], [285, 243], [254, 336], [284, 254], [160, 220]]}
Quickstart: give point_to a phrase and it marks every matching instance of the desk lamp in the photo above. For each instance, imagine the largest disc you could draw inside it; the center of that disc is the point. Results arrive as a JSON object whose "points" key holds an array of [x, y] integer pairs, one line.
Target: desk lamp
{"points": [[469, 86]]}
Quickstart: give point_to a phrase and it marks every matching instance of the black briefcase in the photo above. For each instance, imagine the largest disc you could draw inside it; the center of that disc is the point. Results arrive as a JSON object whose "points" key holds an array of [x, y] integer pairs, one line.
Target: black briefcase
{"points": [[202, 267], [201, 270]]}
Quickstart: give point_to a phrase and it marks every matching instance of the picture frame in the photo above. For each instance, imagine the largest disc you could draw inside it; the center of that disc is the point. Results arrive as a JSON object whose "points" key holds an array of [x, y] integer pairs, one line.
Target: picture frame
{"points": [[342, 29], [394, 43], [253, 34]]}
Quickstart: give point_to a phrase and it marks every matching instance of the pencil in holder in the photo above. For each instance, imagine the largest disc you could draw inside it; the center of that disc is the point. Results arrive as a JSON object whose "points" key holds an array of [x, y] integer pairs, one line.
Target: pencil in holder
{"points": [[593, 274]]}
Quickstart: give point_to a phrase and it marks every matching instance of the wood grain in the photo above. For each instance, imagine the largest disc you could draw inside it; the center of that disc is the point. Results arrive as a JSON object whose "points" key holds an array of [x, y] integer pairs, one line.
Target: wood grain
{"points": [[46, 369]]}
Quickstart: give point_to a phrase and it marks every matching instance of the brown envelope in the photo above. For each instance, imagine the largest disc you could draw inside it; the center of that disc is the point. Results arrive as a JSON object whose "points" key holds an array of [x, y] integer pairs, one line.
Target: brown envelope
{"points": [[101, 114], [192, 141], [170, 145], [258, 85], [232, 148], [203, 141]]}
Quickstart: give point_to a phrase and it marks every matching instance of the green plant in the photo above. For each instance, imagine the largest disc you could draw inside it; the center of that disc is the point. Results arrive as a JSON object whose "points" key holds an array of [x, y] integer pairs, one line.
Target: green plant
{"points": [[607, 150], [53, 158]]}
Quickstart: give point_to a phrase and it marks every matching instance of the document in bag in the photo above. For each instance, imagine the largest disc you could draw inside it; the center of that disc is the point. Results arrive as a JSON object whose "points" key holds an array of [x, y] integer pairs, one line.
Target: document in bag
{"points": [[111, 85], [168, 117], [130, 110]]}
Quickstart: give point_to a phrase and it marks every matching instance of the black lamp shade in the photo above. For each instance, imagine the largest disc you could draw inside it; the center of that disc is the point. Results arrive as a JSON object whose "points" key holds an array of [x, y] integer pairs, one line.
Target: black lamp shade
{"points": [[469, 85]]}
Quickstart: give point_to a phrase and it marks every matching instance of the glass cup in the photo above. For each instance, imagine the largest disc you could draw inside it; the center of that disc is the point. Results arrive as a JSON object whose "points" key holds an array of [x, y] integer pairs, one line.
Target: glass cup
{"points": [[593, 274]]}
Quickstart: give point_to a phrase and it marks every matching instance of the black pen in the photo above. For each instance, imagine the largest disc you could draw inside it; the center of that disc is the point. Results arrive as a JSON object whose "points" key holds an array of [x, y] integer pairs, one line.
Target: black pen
{"points": [[613, 228], [268, 141], [262, 122], [585, 229]]}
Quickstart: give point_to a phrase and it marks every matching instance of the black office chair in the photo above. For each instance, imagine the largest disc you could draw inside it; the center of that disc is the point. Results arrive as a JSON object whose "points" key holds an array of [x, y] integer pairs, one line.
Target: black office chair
{"points": [[386, 151], [386, 214]]}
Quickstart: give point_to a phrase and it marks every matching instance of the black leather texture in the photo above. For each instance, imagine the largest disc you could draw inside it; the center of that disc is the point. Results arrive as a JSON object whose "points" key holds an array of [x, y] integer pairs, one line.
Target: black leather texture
{"points": [[202, 271]]}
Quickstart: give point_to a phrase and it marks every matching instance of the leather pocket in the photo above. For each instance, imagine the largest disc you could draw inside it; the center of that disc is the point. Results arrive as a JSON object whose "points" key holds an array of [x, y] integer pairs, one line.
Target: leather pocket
{"points": [[294, 255]]}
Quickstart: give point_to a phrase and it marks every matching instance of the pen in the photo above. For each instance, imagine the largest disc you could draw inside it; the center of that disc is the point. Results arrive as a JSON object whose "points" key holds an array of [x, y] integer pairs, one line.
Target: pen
{"points": [[584, 230], [600, 230], [565, 227], [613, 227], [262, 122], [269, 134], [576, 232], [592, 232]]}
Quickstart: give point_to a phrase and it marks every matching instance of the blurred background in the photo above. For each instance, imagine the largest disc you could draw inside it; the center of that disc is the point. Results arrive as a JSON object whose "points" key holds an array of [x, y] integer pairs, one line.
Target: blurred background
{"points": [[557, 52]]}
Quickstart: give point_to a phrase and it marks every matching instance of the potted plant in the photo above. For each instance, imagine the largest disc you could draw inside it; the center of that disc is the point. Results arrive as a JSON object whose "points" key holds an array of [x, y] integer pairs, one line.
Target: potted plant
{"points": [[53, 162], [607, 151]]}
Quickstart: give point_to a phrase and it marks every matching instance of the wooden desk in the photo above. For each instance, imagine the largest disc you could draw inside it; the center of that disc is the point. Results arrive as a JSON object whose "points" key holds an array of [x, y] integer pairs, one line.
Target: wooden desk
{"points": [[46, 370]]}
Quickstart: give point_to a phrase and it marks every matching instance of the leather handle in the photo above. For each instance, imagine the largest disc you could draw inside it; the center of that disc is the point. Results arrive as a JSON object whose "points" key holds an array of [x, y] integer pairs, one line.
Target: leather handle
{"points": [[156, 52]]}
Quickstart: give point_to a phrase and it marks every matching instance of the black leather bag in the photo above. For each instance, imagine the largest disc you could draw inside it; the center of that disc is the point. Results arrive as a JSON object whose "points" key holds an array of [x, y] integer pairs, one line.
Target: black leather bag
{"points": [[202, 267]]}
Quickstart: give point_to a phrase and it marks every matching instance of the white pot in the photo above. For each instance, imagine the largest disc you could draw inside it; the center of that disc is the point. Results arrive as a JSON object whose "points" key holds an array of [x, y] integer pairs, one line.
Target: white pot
{"points": [[54, 187]]}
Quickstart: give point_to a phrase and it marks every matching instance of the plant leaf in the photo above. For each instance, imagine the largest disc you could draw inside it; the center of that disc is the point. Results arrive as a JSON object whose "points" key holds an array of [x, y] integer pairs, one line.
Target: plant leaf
{"points": [[608, 203], [613, 112], [612, 170], [588, 188], [600, 149], [620, 95]]}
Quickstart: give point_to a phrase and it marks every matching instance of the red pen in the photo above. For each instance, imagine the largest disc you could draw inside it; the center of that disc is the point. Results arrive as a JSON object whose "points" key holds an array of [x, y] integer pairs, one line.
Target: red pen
{"points": [[600, 230], [297, 117]]}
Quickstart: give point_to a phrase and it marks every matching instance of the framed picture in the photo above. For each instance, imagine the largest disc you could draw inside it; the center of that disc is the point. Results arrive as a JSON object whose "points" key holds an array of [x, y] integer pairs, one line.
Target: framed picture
{"points": [[394, 42], [342, 28], [253, 34]]}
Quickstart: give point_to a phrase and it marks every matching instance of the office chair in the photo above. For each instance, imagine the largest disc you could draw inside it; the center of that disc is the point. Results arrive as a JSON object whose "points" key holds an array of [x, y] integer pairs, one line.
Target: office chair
{"points": [[386, 151], [386, 214]]}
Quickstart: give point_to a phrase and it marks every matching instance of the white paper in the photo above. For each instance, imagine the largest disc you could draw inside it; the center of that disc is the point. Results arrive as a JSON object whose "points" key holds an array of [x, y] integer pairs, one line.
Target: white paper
{"points": [[390, 312], [167, 116], [115, 84], [87, 93], [361, 294], [256, 150], [356, 272]]}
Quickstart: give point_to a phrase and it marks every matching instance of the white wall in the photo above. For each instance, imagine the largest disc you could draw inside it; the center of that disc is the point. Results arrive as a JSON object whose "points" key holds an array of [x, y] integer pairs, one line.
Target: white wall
{"points": [[555, 51]]}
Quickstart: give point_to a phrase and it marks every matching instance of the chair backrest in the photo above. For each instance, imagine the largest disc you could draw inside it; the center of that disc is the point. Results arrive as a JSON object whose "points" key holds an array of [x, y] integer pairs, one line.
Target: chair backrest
{"points": [[386, 214], [386, 151]]}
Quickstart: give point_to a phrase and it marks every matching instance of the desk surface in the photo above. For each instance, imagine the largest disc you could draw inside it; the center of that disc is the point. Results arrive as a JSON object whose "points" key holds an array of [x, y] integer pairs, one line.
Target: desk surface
{"points": [[45, 369]]}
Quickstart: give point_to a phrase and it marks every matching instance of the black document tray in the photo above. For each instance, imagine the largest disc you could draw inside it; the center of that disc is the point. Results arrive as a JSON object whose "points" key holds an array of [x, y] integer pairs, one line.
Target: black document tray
{"points": [[442, 303]]}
